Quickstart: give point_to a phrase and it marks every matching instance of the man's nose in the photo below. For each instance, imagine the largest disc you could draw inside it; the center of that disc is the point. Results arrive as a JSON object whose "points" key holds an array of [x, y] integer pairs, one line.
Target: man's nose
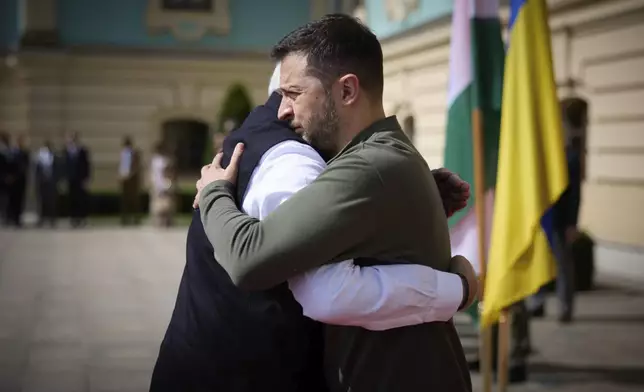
{"points": [[285, 112]]}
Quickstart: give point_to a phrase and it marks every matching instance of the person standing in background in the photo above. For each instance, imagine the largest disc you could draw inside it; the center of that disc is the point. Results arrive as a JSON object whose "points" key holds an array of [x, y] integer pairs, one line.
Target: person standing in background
{"points": [[18, 169], [4, 175], [77, 173], [47, 175], [162, 198], [565, 215], [129, 174]]}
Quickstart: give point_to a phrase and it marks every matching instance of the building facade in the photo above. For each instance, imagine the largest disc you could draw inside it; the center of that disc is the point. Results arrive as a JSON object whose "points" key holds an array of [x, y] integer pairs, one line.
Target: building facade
{"points": [[107, 69], [127, 67], [598, 55]]}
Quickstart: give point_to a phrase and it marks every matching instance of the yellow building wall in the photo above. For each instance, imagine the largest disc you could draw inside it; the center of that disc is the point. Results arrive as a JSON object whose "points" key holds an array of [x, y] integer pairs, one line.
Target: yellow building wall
{"points": [[599, 45], [107, 96]]}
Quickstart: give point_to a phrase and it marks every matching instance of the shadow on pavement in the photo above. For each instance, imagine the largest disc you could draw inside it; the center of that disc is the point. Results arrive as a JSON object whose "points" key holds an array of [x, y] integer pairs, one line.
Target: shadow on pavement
{"points": [[619, 288], [574, 374], [614, 318]]}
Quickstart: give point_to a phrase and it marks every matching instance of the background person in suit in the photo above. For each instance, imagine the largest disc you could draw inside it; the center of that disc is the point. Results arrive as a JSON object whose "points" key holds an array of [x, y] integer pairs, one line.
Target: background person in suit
{"points": [[4, 175], [47, 176], [77, 174], [17, 187], [565, 213], [565, 232], [130, 176]]}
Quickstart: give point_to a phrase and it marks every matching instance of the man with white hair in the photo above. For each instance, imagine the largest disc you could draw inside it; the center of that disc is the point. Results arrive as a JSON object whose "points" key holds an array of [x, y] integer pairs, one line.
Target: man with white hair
{"points": [[222, 338]]}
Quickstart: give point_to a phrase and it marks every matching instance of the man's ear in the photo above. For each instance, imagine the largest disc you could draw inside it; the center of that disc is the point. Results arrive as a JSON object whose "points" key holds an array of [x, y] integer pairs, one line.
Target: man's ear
{"points": [[349, 89]]}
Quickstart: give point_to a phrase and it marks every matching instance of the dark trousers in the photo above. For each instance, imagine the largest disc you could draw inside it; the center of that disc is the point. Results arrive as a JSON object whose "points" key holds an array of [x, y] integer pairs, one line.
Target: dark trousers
{"points": [[16, 202], [47, 202], [130, 201], [78, 202], [4, 201], [565, 278]]}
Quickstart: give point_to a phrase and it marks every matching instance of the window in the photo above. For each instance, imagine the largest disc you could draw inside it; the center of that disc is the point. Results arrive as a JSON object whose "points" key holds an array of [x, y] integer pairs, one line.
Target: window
{"points": [[186, 142], [188, 20], [188, 5]]}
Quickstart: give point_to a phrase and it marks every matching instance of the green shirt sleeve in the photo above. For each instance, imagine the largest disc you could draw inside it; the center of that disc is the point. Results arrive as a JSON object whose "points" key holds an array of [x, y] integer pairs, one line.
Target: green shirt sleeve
{"points": [[332, 219]]}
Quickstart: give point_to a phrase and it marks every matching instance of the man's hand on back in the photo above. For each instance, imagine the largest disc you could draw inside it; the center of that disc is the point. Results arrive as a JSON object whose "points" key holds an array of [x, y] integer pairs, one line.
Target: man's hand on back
{"points": [[454, 191], [214, 171], [199, 186], [461, 266]]}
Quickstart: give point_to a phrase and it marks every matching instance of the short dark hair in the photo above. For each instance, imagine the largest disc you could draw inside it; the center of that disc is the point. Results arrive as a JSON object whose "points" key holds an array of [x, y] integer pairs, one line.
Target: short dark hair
{"points": [[336, 45]]}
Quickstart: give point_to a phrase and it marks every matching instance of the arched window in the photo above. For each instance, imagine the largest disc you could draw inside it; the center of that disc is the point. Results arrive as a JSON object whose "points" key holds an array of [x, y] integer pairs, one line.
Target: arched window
{"points": [[186, 141]]}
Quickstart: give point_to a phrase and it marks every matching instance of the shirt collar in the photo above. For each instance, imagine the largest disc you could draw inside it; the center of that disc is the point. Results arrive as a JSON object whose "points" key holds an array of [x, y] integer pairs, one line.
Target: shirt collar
{"points": [[386, 124]]}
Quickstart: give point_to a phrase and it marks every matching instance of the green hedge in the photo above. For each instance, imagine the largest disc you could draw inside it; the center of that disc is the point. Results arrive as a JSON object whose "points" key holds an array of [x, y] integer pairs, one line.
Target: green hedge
{"points": [[104, 203]]}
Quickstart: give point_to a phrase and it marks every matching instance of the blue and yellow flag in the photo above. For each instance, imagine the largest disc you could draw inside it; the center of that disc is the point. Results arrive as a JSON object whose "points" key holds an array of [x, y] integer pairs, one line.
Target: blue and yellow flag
{"points": [[532, 172]]}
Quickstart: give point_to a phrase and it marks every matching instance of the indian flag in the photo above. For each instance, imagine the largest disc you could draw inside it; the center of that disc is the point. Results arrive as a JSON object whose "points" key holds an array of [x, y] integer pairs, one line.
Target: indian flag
{"points": [[475, 85]]}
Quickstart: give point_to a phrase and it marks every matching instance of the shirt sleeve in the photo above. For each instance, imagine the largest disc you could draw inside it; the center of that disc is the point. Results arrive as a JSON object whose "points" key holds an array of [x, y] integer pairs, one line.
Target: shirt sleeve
{"points": [[330, 220], [372, 297], [378, 297]]}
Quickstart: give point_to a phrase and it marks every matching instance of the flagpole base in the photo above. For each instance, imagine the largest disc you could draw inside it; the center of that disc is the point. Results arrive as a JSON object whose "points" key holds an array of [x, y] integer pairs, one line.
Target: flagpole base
{"points": [[485, 354]]}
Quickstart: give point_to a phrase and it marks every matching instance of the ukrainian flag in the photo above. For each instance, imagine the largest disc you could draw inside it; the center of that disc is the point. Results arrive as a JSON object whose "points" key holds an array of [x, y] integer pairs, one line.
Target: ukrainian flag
{"points": [[532, 172]]}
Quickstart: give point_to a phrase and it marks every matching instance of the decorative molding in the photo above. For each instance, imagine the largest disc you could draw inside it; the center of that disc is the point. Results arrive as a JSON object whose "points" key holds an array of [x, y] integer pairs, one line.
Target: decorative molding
{"points": [[574, 14], [189, 25], [399, 10], [39, 25], [318, 8], [148, 53]]}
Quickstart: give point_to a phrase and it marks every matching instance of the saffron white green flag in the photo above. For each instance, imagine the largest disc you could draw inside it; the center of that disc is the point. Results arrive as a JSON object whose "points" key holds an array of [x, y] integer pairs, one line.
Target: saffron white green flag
{"points": [[476, 63]]}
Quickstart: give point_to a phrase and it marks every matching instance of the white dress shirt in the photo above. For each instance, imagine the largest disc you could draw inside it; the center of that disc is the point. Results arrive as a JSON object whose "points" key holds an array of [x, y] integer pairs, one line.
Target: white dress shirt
{"points": [[45, 159], [375, 298], [126, 162]]}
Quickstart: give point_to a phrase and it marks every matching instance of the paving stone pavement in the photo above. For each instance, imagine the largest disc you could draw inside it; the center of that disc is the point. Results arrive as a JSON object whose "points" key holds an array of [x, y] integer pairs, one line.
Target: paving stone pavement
{"points": [[86, 310], [601, 351]]}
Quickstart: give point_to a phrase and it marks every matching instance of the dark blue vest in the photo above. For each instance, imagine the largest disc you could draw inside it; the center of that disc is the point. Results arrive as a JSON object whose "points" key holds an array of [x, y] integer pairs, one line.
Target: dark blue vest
{"points": [[221, 338]]}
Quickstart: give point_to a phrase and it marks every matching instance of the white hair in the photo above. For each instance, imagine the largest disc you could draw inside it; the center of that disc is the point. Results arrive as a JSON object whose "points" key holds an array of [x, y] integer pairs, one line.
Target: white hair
{"points": [[274, 84]]}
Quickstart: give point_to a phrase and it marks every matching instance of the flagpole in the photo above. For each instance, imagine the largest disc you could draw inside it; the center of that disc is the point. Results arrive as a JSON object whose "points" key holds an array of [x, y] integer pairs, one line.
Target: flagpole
{"points": [[485, 352], [503, 350]]}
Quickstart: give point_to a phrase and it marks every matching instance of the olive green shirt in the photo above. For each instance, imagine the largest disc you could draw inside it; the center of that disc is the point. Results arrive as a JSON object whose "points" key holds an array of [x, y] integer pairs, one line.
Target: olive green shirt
{"points": [[377, 198]]}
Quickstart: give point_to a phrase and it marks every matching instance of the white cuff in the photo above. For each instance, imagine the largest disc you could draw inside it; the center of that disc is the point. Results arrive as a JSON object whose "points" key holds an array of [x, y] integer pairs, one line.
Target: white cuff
{"points": [[449, 295]]}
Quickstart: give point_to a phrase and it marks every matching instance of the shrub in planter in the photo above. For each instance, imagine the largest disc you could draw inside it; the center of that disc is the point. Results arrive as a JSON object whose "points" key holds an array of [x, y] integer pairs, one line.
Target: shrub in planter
{"points": [[234, 110]]}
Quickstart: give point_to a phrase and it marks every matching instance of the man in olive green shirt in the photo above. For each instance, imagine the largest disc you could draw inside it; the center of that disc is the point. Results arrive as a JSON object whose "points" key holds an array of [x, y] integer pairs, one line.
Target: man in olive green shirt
{"points": [[377, 198]]}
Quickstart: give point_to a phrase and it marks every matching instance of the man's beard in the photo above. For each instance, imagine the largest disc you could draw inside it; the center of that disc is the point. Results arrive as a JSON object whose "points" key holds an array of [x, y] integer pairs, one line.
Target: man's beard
{"points": [[323, 129]]}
